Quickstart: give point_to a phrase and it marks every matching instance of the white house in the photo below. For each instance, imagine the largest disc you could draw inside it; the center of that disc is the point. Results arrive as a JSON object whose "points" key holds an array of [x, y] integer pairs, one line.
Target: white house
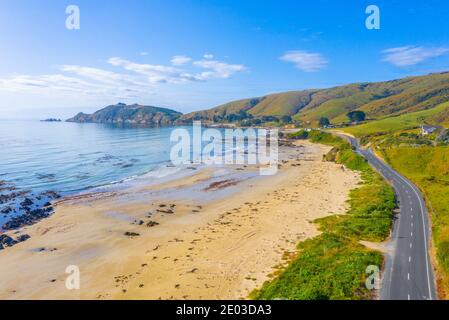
{"points": [[426, 130]]}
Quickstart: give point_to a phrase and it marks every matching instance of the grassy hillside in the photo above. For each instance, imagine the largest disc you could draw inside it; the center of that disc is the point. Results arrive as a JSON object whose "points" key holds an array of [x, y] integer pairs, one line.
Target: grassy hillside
{"points": [[437, 115], [333, 264], [377, 100]]}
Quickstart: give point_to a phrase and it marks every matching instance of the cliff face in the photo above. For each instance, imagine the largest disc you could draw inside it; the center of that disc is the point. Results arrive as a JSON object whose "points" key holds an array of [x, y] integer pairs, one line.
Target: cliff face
{"points": [[130, 115]]}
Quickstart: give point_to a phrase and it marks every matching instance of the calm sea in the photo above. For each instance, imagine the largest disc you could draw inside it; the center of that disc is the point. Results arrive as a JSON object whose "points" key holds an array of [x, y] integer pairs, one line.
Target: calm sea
{"points": [[71, 157]]}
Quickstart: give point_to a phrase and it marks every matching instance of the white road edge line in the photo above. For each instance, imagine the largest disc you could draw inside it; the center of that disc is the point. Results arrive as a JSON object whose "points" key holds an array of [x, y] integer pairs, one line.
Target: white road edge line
{"points": [[424, 230]]}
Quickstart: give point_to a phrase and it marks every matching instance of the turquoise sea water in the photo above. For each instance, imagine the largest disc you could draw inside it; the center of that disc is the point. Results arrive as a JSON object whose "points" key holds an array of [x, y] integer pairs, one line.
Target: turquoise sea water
{"points": [[71, 157]]}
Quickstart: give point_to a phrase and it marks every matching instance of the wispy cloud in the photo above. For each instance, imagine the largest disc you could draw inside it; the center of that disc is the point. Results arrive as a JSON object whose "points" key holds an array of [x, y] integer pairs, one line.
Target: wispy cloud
{"points": [[217, 69], [126, 79], [410, 55], [180, 60], [208, 56], [305, 61], [143, 53], [153, 72]]}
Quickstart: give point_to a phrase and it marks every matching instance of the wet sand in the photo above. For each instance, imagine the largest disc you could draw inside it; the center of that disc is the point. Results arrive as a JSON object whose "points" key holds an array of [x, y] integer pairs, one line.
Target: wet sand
{"points": [[215, 234]]}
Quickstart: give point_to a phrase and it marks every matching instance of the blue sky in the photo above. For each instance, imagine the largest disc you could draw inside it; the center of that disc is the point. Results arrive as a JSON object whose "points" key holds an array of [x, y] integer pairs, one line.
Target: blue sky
{"points": [[191, 55]]}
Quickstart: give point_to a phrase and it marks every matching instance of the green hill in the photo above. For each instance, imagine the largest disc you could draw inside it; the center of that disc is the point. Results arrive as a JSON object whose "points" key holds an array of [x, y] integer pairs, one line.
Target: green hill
{"points": [[135, 114], [377, 100], [435, 116]]}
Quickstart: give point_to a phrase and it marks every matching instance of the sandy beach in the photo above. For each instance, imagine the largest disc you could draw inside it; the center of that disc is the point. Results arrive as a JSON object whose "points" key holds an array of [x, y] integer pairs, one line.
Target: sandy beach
{"points": [[217, 233]]}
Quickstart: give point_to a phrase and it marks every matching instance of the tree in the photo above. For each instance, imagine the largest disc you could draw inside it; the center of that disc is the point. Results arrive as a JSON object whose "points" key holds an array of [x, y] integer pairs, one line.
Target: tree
{"points": [[270, 119], [286, 119], [324, 122], [356, 116], [301, 134]]}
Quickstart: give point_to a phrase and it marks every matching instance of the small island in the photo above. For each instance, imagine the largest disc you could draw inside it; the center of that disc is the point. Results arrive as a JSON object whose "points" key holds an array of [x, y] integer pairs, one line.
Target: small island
{"points": [[51, 120]]}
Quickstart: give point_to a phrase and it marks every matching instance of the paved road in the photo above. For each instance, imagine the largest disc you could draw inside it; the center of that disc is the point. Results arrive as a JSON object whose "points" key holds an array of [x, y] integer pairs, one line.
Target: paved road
{"points": [[408, 272]]}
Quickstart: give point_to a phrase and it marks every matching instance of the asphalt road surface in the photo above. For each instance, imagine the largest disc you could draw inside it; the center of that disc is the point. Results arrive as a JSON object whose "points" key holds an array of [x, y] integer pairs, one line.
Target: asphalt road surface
{"points": [[408, 273]]}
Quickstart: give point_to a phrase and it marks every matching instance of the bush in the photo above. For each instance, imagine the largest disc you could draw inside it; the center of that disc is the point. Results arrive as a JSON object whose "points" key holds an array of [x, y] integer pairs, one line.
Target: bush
{"points": [[300, 135]]}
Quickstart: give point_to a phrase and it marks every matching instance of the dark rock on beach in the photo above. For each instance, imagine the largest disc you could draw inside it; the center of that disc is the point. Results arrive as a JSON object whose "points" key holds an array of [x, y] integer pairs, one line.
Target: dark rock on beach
{"points": [[27, 219], [20, 208], [7, 241], [131, 234], [23, 237]]}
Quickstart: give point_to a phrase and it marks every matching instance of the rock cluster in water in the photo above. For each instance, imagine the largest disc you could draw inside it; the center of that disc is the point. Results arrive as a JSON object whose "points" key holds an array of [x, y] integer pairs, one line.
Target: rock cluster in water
{"points": [[19, 208]]}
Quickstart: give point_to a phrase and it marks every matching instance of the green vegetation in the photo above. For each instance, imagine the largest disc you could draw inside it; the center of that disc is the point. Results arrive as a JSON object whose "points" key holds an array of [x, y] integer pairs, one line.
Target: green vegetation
{"points": [[428, 167], [356, 116], [425, 161], [324, 122], [393, 124], [301, 135], [332, 265], [376, 100]]}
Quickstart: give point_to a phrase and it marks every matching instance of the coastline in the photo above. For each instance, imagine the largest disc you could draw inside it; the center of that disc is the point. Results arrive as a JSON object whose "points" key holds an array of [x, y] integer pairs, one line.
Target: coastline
{"points": [[215, 234]]}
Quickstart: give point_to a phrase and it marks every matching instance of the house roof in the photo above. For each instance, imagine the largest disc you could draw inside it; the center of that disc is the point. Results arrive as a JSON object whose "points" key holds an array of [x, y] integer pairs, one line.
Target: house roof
{"points": [[429, 128]]}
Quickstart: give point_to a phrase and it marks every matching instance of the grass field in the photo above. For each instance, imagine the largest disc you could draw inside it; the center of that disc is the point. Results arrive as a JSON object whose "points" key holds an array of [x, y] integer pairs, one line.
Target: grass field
{"points": [[393, 124], [428, 167], [333, 264]]}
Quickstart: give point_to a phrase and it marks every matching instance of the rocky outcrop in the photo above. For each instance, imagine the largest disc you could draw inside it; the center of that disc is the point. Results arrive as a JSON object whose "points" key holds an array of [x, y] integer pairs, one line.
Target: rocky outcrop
{"points": [[7, 241], [122, 114]]}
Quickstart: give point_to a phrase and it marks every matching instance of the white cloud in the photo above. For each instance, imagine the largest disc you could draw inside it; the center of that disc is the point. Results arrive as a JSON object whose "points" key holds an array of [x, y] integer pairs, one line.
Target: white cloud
{"points": [[132, 79], [180, 60], [101, 75], [306, 61], [143, 53], [154, 73], [217, 69], [409, 55], [208, 56]]}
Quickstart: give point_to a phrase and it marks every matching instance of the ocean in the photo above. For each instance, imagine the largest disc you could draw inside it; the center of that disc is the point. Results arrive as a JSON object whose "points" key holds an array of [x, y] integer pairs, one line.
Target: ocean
{"points": [[72, 157], [43, 161], [68, 158]]}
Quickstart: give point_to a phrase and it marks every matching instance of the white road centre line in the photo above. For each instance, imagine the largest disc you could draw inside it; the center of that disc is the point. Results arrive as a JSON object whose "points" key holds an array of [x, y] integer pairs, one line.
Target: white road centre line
{"points": [[409, 258], [411, 244], [404, 183], [408, 276]]}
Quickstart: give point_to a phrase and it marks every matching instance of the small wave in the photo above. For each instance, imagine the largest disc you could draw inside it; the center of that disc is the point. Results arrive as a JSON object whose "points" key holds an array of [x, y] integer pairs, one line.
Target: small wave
{"points": [[154, 175]]}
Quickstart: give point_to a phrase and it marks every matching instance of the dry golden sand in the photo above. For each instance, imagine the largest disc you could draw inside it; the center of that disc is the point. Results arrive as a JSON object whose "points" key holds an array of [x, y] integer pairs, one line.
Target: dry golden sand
{"points": [[219, 249]]}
